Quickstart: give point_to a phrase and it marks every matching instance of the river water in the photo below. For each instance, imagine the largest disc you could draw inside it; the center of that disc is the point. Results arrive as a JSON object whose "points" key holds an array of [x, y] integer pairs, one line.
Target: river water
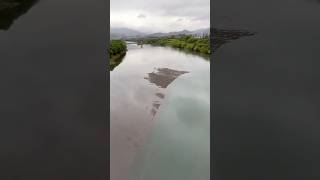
{"points": [[266, 91], [160, 115]]}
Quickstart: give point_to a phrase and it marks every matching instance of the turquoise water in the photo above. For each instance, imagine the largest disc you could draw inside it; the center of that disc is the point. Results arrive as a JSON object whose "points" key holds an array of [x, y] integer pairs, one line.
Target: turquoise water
{"points": [[160, 117], [179, 145]]}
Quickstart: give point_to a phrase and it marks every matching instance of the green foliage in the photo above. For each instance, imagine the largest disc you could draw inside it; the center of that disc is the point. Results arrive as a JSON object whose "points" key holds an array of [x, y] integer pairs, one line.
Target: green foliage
{"points": [[117, 51], [117, 47], [201, 45]]}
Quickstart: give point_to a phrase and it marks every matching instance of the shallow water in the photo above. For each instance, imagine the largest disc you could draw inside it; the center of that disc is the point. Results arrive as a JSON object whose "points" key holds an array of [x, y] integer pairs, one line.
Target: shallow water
{"points": [[155, 93]]}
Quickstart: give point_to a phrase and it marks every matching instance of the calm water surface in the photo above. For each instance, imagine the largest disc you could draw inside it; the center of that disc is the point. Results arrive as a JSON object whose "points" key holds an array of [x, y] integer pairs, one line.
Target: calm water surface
{"points": [[160, 99]]}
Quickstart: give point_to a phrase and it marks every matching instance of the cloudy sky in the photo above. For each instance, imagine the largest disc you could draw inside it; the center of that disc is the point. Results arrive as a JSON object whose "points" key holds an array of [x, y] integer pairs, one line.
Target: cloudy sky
{"points": [[160, 15]]}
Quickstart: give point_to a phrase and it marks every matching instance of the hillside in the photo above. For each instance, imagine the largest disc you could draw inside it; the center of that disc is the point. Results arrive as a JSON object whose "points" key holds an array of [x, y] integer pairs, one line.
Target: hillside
{"points": [[125, 33], [120, 33]]}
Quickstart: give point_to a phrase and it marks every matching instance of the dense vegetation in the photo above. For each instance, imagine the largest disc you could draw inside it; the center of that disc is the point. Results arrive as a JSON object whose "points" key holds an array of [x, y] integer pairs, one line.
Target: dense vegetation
{"points": [[117, 47], [188, 42], [117, 50]]}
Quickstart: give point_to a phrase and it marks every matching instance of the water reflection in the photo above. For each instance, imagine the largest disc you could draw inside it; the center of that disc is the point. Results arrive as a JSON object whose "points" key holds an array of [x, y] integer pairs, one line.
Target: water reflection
{"points": [[178, 147], [186, 51], [138, 88], [10, 10], [160, 95], [162, 78]]}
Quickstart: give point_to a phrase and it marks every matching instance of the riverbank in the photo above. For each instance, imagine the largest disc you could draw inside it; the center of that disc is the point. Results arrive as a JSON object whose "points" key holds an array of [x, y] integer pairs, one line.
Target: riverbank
{"points": [[117, 51], [190, 43], [116, 60]]}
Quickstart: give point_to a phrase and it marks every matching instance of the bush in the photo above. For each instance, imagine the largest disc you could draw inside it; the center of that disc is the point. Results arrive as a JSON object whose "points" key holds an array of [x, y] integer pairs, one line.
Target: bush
{"points": [[117, 47], [201, 45]]}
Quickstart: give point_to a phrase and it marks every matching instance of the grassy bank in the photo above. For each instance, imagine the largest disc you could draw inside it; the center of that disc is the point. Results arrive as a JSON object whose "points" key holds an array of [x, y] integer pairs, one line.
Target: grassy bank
{"points": [[200, 45], [117, 50]]}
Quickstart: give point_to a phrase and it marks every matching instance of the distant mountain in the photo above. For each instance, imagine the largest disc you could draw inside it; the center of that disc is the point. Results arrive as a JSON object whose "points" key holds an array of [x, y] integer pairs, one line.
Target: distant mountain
{"points": [[201, 31], [122, 33], [118, 33], [169, 33], [198, 32]]}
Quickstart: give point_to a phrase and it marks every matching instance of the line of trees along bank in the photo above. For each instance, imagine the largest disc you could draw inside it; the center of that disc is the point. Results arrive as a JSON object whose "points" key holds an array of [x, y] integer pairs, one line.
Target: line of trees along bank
{"points": [[117, 50], [188, 42], [117, 47]]}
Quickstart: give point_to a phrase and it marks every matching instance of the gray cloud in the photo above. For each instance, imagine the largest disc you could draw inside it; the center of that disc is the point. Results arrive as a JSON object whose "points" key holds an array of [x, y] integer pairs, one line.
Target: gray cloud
{"points": [[142, 16], [163, 14]]}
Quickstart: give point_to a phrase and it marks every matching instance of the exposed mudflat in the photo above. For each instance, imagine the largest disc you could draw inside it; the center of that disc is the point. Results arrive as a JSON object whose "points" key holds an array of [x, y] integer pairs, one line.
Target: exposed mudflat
{"points": [[164, 76]]}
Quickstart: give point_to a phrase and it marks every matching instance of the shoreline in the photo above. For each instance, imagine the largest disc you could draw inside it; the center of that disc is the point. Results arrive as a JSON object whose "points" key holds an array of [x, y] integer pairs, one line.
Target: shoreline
{"points": [[187, 51], [188, 43], [116, 59]]}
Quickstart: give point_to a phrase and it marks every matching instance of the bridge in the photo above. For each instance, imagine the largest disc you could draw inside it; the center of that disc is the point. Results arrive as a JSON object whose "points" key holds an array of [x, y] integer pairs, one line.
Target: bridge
{"points": [[138, 42]]}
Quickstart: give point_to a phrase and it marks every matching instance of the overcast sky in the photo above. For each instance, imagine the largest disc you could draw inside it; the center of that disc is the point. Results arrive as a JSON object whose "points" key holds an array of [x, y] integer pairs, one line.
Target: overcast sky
{"points": [[160, 15]]}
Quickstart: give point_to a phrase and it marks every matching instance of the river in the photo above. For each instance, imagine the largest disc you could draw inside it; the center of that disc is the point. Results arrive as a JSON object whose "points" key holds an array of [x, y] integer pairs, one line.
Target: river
{"points": [[160, 115]]}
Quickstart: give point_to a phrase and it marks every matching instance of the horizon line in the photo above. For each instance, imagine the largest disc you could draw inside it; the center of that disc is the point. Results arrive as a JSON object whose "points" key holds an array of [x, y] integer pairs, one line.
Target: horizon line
{"points": [[158, 31]]}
